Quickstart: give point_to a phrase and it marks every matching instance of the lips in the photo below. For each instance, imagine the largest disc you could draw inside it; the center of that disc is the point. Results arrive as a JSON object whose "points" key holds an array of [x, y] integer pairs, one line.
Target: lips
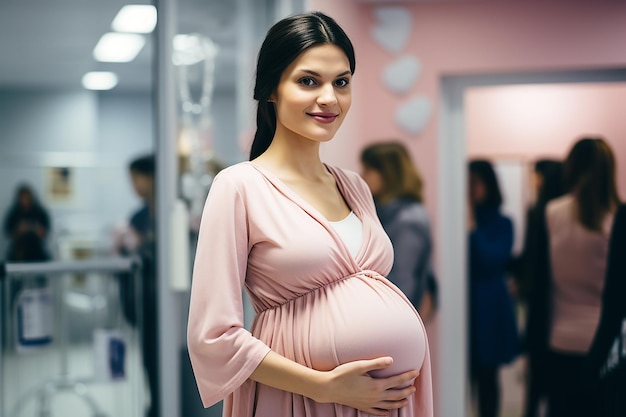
{"points": [[324, 117]]}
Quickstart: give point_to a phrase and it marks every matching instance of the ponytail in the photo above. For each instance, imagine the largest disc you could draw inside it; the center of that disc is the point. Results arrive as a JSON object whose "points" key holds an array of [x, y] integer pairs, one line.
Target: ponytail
{"points": [[266, 127]]}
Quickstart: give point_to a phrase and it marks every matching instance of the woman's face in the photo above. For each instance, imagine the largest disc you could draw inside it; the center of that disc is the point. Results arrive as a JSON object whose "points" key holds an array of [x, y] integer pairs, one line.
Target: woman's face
{"points": [[477, 190], [373, 179], [314, 94], [25, 200]]}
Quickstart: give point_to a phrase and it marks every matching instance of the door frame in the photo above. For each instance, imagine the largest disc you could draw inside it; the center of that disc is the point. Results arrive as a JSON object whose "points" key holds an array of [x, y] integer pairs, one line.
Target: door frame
{"points": [[452, 153]]}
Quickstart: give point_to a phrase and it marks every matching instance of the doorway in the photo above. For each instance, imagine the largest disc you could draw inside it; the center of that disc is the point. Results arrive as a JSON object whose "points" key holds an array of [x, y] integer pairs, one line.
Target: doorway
{"points": [[453, 154]]}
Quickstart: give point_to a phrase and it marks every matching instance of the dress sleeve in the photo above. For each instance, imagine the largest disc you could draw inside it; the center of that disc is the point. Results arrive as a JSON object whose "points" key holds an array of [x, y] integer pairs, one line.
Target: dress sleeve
{"points": [[613, 311], [223, 353]]}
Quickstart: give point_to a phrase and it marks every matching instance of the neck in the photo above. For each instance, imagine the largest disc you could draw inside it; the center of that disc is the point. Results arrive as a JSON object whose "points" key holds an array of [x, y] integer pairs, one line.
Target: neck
{"points": [[292, 155]]}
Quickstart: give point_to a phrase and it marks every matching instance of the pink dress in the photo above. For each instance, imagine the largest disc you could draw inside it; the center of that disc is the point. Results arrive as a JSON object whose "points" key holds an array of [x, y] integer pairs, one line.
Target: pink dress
{"points": [[315, 303]]}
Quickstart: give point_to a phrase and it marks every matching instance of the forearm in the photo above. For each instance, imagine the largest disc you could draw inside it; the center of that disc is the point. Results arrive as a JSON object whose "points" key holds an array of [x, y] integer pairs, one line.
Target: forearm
{"points": [[279, 372]]}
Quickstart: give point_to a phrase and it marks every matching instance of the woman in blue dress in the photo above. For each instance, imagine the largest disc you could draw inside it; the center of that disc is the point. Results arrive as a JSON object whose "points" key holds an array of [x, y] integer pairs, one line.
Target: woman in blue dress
{"points": [[494, 339]]}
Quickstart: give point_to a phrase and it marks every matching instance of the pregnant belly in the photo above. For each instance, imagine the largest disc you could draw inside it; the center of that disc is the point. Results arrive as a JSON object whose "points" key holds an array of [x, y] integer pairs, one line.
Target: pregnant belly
{"points": [[363, 318]]}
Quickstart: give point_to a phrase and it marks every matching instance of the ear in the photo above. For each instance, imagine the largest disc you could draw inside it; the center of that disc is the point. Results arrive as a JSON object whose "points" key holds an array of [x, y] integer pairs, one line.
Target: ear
{"points": [[272, 98]]}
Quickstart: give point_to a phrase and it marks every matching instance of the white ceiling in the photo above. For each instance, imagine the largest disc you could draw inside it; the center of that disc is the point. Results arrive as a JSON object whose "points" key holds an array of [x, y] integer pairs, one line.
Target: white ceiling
{"points": [[48, 44]]}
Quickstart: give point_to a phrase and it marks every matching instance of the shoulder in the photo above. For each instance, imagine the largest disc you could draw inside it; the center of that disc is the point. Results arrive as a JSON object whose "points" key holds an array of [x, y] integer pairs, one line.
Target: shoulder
{"points": [[414, 213], [239, 177], [350, 181], [560, 211], [240, 172], [559, 205], [505, 222], [347, 175]]}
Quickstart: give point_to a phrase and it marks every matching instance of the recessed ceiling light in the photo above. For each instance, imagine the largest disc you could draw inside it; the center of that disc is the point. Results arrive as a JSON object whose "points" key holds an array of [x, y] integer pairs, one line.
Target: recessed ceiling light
{"points": [[118, 47], [99, 80], [135, 18]]}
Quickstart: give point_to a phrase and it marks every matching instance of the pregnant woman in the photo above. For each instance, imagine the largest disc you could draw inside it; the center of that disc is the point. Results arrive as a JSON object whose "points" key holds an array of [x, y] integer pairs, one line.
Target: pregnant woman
{"points": [[332, 336]]}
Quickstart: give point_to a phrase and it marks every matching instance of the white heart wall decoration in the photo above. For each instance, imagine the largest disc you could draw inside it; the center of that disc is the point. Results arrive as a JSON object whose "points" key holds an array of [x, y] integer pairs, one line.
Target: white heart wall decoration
{"points": [[413, 114], [392, 28], [400, 75]]}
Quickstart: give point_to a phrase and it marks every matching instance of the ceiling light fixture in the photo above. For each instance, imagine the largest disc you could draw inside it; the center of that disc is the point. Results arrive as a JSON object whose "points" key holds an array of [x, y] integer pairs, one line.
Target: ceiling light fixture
{"points": [[99, 80], [118, 47], [135, 18]]}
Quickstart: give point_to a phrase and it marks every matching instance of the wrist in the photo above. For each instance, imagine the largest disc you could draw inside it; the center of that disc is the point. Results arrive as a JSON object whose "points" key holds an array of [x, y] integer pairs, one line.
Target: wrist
{"points": [[320, 386]]}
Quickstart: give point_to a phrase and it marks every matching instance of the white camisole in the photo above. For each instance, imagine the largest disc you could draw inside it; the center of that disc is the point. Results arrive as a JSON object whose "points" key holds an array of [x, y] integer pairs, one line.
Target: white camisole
{"points": [[350, 230]]}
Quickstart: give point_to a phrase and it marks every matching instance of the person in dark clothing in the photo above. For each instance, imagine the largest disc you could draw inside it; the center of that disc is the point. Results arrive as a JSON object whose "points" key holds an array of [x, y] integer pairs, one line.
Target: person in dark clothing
{"points": [[494, 339], [607, 357], [397, 189], [142, 176], [26, 216], [549, 185], [142, 223]]}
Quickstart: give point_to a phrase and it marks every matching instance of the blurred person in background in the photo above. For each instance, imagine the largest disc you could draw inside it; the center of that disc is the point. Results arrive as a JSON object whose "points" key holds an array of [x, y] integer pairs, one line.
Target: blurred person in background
{"points": [[26, 221], [139, 239], [494, 339], [142, 222], [607, 356], [577, 240], [548, 182], [397, 188]]}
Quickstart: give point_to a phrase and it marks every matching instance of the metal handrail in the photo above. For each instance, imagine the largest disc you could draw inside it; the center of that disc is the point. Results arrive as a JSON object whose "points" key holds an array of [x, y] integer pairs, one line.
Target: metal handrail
{"points": [[61, 267]]}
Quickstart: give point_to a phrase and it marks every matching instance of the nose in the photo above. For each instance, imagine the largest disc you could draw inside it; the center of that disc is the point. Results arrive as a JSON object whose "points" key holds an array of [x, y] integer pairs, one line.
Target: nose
{"points": [[327, 95]]}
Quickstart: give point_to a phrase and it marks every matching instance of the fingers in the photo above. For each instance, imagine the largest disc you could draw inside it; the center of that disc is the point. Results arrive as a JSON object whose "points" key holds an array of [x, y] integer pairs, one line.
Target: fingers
{"points": [[373, 364], [400, 380], [384, 407], [397, 395]]}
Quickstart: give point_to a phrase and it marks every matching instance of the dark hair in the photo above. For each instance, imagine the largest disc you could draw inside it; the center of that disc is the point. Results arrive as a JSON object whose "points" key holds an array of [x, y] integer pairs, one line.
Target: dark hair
{"points": [[143, 165], [400, 176], [25, 189], [590, 176], [483, 169], [284, 42], [552, 185]]}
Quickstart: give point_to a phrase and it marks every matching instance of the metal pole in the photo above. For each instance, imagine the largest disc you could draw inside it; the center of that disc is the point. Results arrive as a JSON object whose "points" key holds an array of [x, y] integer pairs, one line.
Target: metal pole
{"points": [[166, 177]]}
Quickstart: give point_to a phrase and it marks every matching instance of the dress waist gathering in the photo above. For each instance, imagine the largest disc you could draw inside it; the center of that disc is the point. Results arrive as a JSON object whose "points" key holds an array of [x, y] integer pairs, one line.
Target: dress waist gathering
{"points": [[259, 309]]}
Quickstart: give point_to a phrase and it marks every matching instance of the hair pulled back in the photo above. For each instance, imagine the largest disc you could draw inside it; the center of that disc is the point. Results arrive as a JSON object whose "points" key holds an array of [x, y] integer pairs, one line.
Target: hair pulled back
{"points": [[284, 42], [590, 175]]}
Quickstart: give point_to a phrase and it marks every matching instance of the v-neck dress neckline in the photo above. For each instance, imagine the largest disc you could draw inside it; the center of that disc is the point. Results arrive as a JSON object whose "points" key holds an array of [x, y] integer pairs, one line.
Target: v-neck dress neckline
{"points": [[317, 215]]}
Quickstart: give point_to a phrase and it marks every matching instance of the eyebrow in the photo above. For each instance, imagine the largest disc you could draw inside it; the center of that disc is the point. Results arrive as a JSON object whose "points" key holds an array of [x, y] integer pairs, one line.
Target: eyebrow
{"points": [[318, 75]]}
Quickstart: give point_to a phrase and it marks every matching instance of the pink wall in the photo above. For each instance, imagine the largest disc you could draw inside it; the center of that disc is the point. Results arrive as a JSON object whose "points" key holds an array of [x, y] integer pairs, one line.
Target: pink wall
{"points": [[467, 37], [532, 121]]}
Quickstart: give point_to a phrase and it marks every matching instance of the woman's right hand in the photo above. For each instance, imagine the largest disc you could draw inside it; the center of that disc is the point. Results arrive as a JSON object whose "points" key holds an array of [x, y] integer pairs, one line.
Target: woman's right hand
{"points": [[350, 384]]}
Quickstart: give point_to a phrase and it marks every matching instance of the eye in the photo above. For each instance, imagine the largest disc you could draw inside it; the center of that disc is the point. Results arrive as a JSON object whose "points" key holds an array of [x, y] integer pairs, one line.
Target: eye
{"points": [[307, 81], [342, 82]]}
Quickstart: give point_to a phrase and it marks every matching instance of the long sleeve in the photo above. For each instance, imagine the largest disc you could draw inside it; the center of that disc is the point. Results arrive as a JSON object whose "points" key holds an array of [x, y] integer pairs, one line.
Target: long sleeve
{"points": [[223, 354], [613, 310]]}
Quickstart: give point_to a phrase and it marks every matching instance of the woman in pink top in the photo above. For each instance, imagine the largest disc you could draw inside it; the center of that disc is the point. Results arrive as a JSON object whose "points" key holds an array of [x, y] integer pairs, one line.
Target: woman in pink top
{"points": [[578, 227], [331, 336]]}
